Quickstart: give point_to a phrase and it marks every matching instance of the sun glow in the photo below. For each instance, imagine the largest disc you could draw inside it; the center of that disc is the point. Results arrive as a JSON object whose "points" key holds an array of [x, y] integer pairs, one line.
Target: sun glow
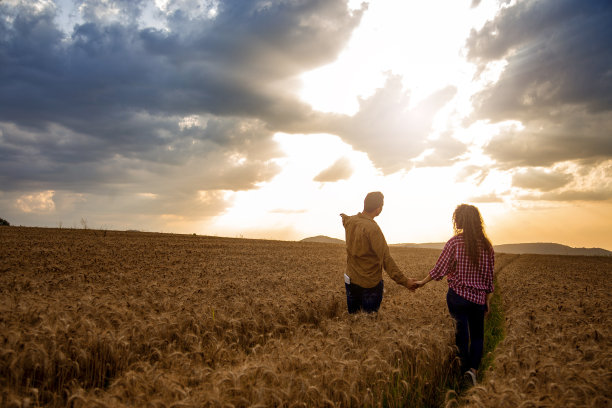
{"points": [[402, 38], [418, 203], [399, 38]]}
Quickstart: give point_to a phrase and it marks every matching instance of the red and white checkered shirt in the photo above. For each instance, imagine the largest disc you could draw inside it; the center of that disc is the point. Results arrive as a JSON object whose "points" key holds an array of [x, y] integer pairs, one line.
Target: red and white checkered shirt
{"points": [[467, 280]]}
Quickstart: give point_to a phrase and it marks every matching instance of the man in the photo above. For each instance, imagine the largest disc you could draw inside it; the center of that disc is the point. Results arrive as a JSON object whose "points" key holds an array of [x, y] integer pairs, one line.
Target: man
{"points": [[367, 254]]}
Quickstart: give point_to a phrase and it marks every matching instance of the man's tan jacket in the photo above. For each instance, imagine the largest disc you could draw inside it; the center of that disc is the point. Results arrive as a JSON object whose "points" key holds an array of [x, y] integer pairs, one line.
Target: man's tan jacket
{"points": [[367, 252]]}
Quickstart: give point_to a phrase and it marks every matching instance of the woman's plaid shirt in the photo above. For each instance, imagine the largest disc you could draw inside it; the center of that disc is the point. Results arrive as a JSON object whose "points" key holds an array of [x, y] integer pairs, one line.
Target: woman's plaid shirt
{"points": [[466, 279]]}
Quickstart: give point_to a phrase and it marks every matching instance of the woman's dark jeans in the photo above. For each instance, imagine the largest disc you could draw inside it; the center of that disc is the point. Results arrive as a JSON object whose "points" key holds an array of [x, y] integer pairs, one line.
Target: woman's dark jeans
{"points": [[469, 334], [364, 299]]}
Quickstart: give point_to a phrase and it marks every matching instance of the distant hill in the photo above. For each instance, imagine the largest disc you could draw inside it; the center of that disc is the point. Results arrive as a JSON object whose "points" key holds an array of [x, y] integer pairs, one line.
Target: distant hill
{"points": [[547, 248], [540, 248], [427, 245], [323, 239]]}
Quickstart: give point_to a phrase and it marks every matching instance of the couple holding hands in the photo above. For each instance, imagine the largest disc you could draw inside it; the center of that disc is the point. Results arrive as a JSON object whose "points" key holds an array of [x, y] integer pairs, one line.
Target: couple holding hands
{"points": [[467, 261]]}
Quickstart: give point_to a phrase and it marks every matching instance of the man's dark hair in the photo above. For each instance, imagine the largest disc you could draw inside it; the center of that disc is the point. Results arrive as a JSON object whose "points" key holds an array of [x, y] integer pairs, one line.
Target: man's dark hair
{"points": [[372, 201]]}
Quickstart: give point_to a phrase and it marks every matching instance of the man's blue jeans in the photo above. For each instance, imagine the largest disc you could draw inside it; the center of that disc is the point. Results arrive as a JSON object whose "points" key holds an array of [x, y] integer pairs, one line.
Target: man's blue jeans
{"points": [[469, 334], [363, 299]]}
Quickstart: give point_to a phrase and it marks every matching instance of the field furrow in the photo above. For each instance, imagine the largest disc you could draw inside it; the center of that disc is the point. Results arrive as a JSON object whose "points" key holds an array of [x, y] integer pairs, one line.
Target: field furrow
{"points": [[558, 346]]}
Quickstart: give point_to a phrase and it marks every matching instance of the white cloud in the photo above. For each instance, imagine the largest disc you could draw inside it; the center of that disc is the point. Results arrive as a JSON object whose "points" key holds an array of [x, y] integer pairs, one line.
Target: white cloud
{"points": [[36, 202]]}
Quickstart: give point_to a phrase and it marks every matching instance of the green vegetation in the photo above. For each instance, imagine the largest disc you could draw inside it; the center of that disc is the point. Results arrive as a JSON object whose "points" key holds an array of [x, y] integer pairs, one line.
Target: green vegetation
{"points": [[448, 378], [451, 386], [493, 335], [4, 223], [494, 331]]}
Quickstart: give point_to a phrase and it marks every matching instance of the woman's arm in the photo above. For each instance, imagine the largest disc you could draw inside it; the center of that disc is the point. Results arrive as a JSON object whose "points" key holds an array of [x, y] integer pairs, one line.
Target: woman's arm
{"points": [[423, 281], [444, 264]]}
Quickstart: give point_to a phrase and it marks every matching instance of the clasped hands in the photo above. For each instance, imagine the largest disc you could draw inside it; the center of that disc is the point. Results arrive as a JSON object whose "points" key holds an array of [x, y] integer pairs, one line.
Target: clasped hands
{"points": [[413, 284]]}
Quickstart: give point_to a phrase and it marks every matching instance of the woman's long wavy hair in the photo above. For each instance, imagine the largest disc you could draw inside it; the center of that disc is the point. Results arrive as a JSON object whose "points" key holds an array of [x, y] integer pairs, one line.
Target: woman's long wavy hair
{"points": [[467, 220]]}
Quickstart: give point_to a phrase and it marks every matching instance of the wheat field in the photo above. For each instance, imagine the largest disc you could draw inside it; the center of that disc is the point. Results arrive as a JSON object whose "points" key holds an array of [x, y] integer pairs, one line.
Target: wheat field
{"points": [[108, 318], [558, 346]]}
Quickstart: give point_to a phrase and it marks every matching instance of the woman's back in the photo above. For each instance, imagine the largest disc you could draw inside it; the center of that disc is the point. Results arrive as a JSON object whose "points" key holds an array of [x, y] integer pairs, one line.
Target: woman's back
{"points": [[468, 279]]}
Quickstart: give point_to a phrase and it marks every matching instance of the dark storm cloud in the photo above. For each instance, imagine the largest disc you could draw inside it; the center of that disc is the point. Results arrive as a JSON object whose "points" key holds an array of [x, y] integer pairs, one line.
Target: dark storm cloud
{"points": [[233, 64], [340, 170], [585, 183], [226, 153], [557, 80], [103, 104], [126, 11], [570, 136], [538, 179]]}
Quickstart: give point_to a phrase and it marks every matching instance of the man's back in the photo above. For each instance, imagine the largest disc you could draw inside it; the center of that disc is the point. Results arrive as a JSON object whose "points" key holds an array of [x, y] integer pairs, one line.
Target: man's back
{"points": [[367, 252], [358, 229]]}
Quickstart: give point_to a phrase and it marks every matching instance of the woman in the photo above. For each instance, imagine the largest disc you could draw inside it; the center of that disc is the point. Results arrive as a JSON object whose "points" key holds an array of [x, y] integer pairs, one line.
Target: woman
{"points": [[467, 260]]}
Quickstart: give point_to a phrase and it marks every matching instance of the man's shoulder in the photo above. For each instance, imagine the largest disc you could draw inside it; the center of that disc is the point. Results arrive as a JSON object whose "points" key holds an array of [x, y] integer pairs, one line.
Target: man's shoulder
{"points": [[360, 222], [347, 218], [359, 217], [367, 222]]}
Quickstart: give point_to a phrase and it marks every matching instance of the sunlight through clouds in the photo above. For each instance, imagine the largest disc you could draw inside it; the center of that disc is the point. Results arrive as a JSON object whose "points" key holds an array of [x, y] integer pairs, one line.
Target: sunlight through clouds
{"points": [[411, 39], [268, 118]]}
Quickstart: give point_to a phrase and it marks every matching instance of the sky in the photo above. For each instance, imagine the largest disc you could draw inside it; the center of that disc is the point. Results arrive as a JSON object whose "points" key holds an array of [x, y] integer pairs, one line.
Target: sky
{"points": [[269, 118]]}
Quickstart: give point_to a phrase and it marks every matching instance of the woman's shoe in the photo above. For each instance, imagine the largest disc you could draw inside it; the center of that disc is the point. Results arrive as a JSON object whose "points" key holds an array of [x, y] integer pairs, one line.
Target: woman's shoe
{"points": [[470, 377]]}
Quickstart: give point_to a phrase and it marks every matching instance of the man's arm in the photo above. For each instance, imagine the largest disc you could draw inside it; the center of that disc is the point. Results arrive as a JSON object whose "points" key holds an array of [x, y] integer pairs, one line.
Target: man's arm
{"points": [[380, 247]]}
